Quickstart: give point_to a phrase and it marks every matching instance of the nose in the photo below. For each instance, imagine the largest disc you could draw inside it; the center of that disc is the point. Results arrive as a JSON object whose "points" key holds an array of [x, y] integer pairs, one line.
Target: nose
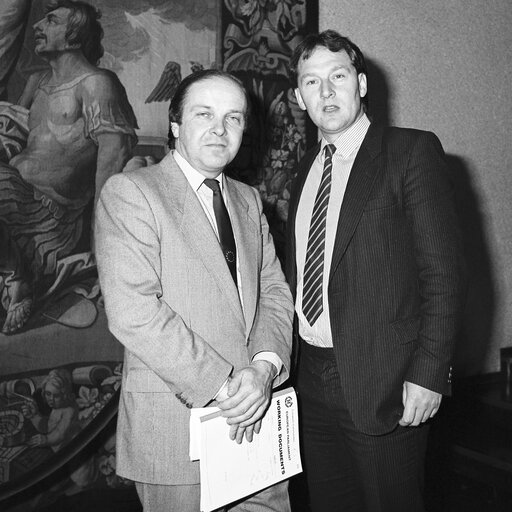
{"points": [[326, 91], [37, 24], [218, 126]]}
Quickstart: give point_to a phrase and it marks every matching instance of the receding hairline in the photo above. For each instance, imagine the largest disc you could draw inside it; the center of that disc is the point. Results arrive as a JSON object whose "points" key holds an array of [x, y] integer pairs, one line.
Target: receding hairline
{"points": [[228, 79]]}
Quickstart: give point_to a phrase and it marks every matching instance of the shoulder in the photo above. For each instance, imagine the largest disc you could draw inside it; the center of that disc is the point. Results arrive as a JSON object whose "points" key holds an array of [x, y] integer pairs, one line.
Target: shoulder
{"points": [[409, 136], [33, 83], [247, 191], [142, 178], [101, 81], [37, 77], [309, 156]]}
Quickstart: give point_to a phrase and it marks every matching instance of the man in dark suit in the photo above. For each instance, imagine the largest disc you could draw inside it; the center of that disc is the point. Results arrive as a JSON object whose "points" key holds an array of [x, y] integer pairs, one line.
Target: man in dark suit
{"points": [[375, 265]]}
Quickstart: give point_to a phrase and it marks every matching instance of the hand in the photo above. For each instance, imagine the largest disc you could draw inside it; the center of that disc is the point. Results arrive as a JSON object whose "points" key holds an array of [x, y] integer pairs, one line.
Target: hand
{"points": [[249, 392], [38, 440], [29, 409], [420, 404]]}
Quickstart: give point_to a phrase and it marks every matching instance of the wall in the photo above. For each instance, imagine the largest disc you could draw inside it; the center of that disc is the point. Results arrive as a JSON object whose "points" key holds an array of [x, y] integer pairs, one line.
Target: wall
{"points": [[447, 67]]}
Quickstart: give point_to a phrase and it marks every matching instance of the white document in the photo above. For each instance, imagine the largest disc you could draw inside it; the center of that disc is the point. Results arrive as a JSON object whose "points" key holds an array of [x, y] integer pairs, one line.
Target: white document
{"points": [[231, 471]]}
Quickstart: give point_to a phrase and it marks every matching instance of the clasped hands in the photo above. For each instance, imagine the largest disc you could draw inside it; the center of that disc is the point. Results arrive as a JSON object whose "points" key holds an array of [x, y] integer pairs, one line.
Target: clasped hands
{"points": [[245, 399]]}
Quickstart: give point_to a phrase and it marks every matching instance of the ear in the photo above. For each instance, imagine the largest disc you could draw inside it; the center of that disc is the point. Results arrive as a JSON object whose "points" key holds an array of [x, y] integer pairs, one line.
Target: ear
{"points": [[175, 128], [300, 101], [363, 85]]}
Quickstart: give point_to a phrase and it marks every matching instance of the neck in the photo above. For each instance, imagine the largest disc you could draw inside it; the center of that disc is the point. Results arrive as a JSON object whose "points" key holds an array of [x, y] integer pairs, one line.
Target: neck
{"points": [[68, 64]]}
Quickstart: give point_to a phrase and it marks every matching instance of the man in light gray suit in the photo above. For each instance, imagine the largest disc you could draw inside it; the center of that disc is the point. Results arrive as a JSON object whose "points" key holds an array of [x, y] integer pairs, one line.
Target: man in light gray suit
{"points": [[195, 293]]}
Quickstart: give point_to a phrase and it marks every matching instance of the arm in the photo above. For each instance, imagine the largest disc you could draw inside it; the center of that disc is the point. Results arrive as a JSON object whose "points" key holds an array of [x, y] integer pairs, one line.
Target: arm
{"points": [[110, 123], [114, 150], [25, 100], [30, 410], [129, 266], [430, 211], [58, 434]]}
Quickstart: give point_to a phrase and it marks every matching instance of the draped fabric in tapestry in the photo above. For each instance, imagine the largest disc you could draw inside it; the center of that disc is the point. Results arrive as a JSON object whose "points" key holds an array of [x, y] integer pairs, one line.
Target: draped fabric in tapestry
{"points": [[60, 367]]}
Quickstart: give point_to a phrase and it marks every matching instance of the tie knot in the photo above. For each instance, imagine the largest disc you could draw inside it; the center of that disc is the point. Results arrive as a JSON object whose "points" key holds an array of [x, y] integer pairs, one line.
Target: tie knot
{"points": [[213, 184], [330, 149]]}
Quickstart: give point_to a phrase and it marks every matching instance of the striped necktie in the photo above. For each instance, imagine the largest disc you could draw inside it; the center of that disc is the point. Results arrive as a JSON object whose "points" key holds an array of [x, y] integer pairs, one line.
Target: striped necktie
{"points": [[312, 300]]}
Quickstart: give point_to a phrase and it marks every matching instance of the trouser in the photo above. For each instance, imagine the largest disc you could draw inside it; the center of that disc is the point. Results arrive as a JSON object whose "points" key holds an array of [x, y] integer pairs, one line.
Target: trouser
{"points": [[346, 469], [186, 498]]}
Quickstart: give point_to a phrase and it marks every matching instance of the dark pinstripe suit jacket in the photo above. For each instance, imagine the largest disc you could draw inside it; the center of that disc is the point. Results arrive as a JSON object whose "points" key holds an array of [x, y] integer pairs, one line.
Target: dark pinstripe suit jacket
{"points": [[396, 280]]}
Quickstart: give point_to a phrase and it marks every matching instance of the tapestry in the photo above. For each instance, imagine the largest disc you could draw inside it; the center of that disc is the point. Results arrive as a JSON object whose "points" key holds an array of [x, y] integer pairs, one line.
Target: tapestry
{"points": [[60, 139]]}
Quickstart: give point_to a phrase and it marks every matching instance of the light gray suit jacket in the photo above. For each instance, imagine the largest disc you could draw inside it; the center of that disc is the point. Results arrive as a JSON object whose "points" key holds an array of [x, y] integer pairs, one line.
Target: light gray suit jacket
{"points": [[171, 301]]}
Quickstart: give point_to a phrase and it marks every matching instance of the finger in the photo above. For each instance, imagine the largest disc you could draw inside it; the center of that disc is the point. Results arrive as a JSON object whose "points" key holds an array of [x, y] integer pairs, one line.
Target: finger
{"points": [[244, 419], [434, 412], [240, 435], [257, 427], [249, 431], [418, 416], [407, 416], [239, 397], [232, 432], [427, 414], [257, 416], [246, 407], [253, 414]]}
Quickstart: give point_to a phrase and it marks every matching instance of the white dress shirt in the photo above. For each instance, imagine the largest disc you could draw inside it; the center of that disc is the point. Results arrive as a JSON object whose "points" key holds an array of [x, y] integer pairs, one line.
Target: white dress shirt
{"points": [[347, 146]]}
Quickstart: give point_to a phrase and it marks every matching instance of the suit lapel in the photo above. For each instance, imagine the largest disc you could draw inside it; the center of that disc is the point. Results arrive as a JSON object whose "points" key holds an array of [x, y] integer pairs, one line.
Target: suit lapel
{"points": [[247, 236], [198, 232], [359, 187]]}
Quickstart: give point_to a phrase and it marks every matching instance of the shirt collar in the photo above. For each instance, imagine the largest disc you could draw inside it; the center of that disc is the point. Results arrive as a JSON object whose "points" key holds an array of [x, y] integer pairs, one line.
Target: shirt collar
{"points": [[350, 139], [195, 178]]}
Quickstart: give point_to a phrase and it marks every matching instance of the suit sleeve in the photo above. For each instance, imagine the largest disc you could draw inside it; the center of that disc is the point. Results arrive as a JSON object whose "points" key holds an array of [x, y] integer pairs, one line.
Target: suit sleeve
{"points": [[272, 328], [430, 211], [128, 256]]}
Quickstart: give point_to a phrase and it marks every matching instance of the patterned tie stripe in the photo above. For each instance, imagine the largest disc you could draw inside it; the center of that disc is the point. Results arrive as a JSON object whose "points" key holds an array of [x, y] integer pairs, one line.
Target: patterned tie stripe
{"points": [[312, 301]]}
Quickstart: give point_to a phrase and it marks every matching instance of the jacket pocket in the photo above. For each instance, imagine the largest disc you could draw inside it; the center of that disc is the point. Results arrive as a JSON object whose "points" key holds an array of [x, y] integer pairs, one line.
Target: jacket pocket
{"points": [[379, 203], [141, 380], [407, 329]]}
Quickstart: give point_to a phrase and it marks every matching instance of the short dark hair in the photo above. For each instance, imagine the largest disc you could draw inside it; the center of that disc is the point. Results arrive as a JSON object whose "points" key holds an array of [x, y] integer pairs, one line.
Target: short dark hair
{"points": [[178, 100], [84, 28], [331, 40]]}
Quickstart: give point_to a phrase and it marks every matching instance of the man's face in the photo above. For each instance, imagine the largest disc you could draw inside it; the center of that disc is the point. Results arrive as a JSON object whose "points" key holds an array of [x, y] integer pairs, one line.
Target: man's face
{"points": [[330, 89], [50, 32], [212, 125]]}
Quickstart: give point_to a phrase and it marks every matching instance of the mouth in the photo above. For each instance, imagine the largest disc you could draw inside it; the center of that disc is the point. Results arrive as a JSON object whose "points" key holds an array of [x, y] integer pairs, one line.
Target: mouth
{"points": [[39, 37], [330, 108]]}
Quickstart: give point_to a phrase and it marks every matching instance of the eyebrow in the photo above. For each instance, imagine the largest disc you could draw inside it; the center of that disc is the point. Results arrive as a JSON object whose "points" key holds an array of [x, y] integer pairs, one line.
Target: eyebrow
{"points": [[208, 107], [52, 15], [332, 70]]}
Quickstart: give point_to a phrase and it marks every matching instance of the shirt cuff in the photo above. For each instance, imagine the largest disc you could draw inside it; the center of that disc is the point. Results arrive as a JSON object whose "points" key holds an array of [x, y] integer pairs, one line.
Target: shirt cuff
{"points": [[271, 357]]}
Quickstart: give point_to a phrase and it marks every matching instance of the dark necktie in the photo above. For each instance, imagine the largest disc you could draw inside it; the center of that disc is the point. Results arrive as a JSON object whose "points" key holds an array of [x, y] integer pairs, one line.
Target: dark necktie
{"points": [[226, 237], [312, 300]]}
